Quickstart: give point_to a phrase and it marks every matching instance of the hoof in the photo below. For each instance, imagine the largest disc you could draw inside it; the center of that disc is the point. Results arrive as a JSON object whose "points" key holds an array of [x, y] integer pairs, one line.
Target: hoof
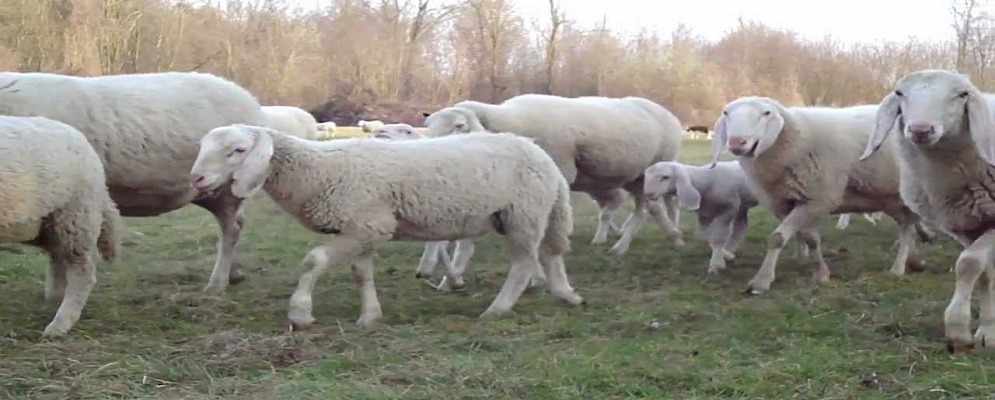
{"points": [[955, 346], [419, 275], [617, 252], [599, 240], [301, 324], [492, 314], [368, 322], [52, 331], [215, 290], [753, 290]]}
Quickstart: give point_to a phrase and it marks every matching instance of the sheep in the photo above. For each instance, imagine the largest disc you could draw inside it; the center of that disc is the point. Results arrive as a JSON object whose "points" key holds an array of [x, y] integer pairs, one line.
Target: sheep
{"points": [[145, 128], [801, 163], [370, 126], [361, 192], [326, 130], [946, 151], [844, 220], [720, 196], [436, 249], [584, 135], [54, 197], [292, 121]]}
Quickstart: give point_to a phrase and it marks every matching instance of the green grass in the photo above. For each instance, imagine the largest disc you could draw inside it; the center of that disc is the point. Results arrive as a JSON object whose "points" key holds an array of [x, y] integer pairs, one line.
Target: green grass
{"points": [[149, 333]]}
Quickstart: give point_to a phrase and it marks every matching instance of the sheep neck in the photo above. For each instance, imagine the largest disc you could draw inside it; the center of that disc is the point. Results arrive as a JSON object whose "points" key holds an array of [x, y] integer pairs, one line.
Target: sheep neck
{"points": [[289, 166]]}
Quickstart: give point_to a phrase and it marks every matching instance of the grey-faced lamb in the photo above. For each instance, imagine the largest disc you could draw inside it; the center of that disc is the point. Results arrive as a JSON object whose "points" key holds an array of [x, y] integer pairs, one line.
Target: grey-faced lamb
{"points": [[946, 149], [600, 144], [146, 128], [801, 163], [720, 196], [360, 192], [53, 196]]}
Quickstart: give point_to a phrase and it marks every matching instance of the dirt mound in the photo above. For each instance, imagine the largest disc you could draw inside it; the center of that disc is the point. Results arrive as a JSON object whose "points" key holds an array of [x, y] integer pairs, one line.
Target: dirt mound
{"points": [[346, 113]]}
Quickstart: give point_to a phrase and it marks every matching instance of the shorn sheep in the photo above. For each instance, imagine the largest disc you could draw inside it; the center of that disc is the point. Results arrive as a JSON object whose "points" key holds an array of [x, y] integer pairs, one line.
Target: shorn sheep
{"points": [[946, 150], [801, 163], [53, 196], [720, 196], [360, 192], [369, 126], [146, 129], [600, 144], [292, 121]]}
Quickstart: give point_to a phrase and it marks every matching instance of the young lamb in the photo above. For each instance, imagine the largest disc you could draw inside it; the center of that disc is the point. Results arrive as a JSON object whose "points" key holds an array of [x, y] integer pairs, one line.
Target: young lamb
{"points": [[600, 144], [370, 126], [361, 192], [801, 163], [54, 197], [292, 121], [946, 151], [720, 196], [146, 128]]}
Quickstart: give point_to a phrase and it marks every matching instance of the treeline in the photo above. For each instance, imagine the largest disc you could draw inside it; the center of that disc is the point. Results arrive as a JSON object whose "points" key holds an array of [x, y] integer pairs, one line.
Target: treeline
{"points": [[423, 54]]}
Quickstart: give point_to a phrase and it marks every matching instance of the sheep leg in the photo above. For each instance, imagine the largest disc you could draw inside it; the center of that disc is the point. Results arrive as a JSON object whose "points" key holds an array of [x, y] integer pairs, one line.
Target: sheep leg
{"points": [[659, 212], [55, 281], [974, 260], [524, 263], [609, 202], [369, 305], [673, 210], [81, 277], [430, 257], [813, 240], [985, 335], [227, 210], [704, 224], [739, 226], [906, 245], [843, 222], [800, 218], [802, 251], [556, 274], [720, 233], [872, 217], [339, 249], [453, 280]]}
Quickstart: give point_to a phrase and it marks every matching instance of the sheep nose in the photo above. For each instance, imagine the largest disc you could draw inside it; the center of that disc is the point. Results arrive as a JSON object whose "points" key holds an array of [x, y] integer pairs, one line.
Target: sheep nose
{"points": [[737, 143], [921, 131], [196, 178]]}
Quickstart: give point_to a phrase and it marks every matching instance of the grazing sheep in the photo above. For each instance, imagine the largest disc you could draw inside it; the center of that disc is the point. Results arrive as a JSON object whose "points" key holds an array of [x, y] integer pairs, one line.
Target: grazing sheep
{"points": [[326, 130], [53, 196], [720, 196], [370, 126], [146, 129], [802, 165], [600, 144], [292, 121], [844, 220], [946, 151], [361, 192]]}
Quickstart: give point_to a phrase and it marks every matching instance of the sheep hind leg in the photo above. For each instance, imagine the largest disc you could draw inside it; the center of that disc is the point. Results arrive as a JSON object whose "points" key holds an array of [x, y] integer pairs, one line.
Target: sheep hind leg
{"points": [[55, 281], [430, 257], [972, 262], [338, 250], [813, 240], [609, 202], [719, 238], [906, 244], [227, 210], [453, 280], [81, 277], [556, 273], [660, 213], [985, 334], [524, 251]]}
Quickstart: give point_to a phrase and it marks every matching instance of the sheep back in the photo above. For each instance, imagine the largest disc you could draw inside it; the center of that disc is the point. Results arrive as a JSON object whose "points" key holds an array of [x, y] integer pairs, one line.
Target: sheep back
{"points": [[292, 121]]}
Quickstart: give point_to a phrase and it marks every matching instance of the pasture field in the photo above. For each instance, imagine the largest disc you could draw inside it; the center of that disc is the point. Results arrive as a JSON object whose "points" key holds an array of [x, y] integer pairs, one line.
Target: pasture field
{"points": [[149, 333]]}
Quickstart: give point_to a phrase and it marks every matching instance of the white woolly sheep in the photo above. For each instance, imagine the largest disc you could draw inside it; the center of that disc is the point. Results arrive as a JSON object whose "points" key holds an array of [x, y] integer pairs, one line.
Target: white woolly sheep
{"points": [[146, 128], [801, 163], [292, 121], [326, 130], [361, 192], [53, 196], [584, 135], [720, 196], [370, 126], [946, 150]]}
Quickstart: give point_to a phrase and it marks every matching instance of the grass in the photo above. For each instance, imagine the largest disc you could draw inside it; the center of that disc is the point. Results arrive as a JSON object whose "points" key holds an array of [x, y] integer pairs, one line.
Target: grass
{"points": [[149, 333]]}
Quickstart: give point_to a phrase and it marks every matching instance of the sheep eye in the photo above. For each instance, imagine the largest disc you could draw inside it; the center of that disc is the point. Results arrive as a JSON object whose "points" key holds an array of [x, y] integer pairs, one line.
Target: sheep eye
{"points": [[766, 113], [963, 94], [899, 93], [724, 112], [663, 178], [239, 150]]}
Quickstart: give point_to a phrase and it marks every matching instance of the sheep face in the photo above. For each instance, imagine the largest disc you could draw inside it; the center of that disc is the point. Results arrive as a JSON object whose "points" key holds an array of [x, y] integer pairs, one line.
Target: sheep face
{"points": [[447, 121], [396, 132], [929, 105], [238, 154], [748, 126], [667, 178]]}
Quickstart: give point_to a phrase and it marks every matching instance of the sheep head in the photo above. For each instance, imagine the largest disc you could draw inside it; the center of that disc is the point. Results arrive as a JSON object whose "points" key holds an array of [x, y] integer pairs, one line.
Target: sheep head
{"points": [[451, 121], [237, 154], [747, 127], [397, 132], [667, 178], [929, 105]]}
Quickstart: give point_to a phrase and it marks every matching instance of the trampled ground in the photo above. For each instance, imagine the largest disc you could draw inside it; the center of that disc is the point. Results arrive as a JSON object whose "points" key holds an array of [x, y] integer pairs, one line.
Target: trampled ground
{"points": [[149, 333]]}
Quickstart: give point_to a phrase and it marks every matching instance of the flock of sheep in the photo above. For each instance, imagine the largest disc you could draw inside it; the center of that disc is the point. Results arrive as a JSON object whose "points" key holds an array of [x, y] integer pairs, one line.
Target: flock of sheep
{"points": [[76, 153]]}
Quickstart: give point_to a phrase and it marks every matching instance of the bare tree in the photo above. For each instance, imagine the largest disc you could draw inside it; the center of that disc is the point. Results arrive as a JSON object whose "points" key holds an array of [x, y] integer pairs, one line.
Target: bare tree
{"points": [[556, 20], [964, 16]]}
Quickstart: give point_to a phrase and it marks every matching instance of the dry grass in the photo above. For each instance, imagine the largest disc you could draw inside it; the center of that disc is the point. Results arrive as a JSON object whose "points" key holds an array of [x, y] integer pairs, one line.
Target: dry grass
{"points": [[149, 333]]}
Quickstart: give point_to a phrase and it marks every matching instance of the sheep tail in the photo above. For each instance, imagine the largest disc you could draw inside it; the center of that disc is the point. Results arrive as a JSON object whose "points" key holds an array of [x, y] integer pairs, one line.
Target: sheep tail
{"points": [[560, 225], [108, 242]]}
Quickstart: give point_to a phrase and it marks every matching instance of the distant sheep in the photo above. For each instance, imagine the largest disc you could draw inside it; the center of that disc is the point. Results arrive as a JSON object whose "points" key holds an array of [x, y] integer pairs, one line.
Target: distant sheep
{"points": [[292, 121], [146, 128], [54, 196], [326, 130], [370, 126], [600, 144], [361, 192]]}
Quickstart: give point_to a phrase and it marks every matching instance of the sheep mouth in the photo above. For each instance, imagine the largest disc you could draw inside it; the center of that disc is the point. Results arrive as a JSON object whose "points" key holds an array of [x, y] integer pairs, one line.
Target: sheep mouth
{"points": [[748, 153]]}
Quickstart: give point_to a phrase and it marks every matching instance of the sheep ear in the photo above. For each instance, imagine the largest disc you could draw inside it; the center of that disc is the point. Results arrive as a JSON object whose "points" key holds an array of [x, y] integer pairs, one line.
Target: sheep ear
{"points": [[687, 195], [249, 176], [769, 137], [979, 120], [884, 121], [719, 139]]}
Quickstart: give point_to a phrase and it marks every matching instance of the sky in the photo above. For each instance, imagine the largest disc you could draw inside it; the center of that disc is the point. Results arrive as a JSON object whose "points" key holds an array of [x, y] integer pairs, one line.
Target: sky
{"points": [[847, 20]]}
